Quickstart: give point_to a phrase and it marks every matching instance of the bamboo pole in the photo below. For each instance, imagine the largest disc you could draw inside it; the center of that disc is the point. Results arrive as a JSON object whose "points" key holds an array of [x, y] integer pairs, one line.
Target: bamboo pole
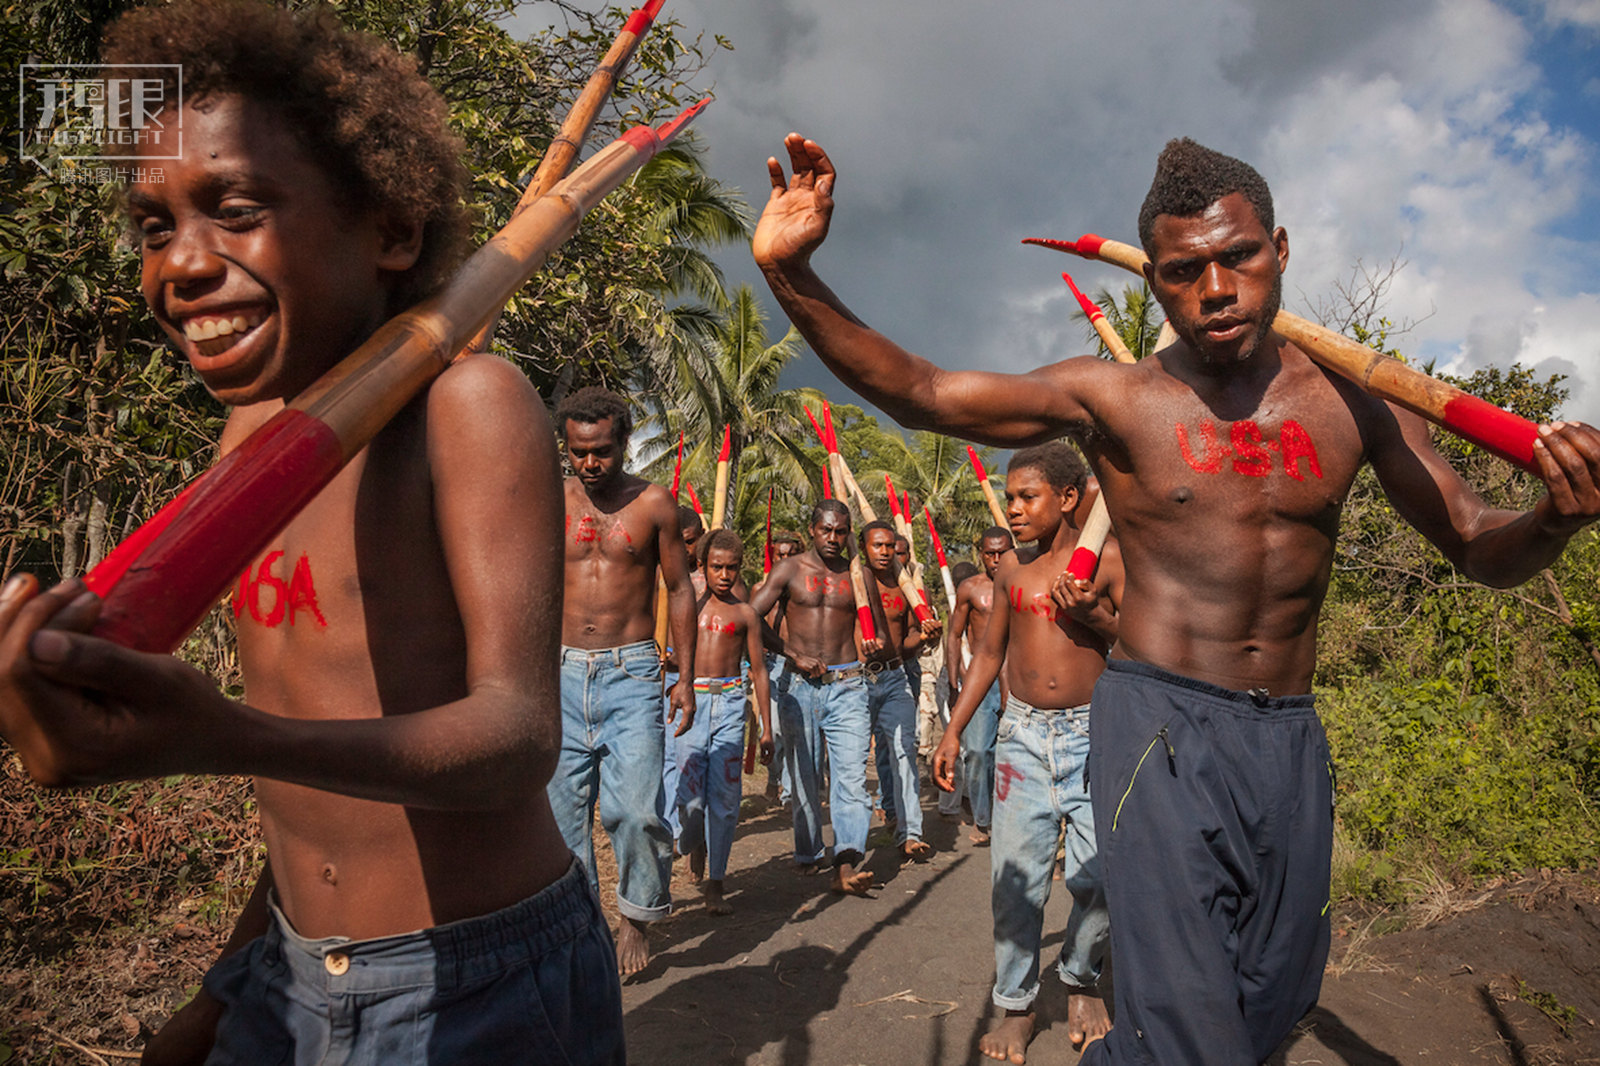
{"points": [[995, 509], [1092, 537], [1507, 435], [944, 562], [574, 131], [719, 502], [841, 478], [157, 586], [766, 550]]}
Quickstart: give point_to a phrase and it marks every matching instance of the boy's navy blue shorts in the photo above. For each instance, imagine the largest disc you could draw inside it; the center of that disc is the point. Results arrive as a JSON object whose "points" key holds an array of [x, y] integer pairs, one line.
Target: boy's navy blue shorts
{"points": [[1214, 811]]}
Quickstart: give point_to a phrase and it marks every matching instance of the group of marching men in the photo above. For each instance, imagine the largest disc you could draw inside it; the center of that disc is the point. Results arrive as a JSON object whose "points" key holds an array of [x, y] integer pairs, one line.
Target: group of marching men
{"points": [[833, 678]]}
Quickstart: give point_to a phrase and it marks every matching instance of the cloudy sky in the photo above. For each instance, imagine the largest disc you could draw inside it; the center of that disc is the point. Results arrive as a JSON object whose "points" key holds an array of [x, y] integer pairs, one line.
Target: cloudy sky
{"points": [[1461, 136]]}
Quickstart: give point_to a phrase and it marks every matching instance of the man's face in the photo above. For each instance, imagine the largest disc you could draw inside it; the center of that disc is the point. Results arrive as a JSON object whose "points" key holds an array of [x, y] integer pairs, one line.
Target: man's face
{"points": [[1033, 508], [1219, 277], [830, 533], [722, 570], [902, 550], [783, 549], [692, 535], [594, 452], [251, 264], [879, 548], [992, 549]]}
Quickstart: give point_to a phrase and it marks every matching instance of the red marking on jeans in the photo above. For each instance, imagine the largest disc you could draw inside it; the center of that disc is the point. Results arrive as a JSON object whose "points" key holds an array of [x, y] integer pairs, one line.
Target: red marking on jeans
{"points": [[1004, 774], [1507, 435], [732, 769], [1215, 453], [1296, 444], [1250, 458]]}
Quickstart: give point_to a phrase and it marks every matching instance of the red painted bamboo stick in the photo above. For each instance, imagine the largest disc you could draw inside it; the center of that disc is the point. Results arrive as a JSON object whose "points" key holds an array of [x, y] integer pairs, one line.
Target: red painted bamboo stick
{"points": [[995, 510]]}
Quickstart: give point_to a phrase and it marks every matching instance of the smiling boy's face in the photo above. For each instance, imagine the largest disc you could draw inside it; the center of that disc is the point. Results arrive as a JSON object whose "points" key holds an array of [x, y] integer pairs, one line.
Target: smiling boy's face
{"points": [[252, 264]]}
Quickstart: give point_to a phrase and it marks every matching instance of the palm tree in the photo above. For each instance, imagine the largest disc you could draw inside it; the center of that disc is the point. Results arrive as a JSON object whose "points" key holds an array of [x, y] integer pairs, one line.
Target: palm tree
{"points": [[1136, 317]]}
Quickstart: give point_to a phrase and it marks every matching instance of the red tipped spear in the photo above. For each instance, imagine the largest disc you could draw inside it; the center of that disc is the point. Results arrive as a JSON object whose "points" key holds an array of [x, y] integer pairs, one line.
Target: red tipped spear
{"points": [[719, 502], [894, 501], [766, 552], [677, 468], [1507, 435], [944, 563], [988, 489], [694, 500], [827, 421]]}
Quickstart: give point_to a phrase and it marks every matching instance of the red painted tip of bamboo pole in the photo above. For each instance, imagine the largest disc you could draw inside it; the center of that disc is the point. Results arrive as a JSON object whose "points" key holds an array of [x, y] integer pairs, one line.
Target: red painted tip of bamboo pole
{"points": [[933, 535], [694, 500], [766, 551], [905, 506], [894, 501], [977, 464], [727, 443], [827, 489], [827, 421], [642, 19], [1090, 308], [1087, 246], [673, 128], [822, 437], [677, 468]]}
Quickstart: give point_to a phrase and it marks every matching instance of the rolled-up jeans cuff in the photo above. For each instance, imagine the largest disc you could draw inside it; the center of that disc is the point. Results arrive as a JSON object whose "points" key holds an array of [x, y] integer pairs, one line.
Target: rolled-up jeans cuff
{"points": [[1022, 1002], [642, 914]]}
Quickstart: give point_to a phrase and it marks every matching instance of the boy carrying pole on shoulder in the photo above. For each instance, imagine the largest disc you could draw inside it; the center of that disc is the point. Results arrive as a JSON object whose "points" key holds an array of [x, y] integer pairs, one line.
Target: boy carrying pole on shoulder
{"points": [[1051, 633], [711, 753], [419, 904]]}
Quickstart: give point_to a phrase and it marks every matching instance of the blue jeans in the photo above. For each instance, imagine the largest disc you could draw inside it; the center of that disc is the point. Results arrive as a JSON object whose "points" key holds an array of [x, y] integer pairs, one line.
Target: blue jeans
{"points": [[669, 756], [892, 709], [710, 771], [535, 983], [1040, 762], [778, 675], [828, 721], [610, 722], [974, 770]]}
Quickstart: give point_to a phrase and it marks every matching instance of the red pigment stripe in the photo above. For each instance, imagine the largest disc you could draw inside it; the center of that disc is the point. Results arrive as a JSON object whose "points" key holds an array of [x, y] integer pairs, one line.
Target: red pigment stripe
{"points": [[642, 138], [922, 612], [977, 464], [1090, 308], [822, 438], [1054, 245], [894, 501], [1507, 435], [1089, 245], [639, 21], [933, 534], [104, 577], [1081, 566], [827, 422], [694, 499], [242, 504], [868, 630]]}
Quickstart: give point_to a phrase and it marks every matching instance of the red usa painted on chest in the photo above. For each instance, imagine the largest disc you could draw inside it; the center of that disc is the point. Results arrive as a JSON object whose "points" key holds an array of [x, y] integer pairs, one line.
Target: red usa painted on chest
{"points": [[289, 599], [1250, 452], [588, 531]]}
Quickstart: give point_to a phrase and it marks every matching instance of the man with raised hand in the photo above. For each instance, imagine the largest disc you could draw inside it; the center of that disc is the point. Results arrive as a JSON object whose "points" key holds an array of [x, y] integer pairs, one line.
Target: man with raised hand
{"points": [[970, 618], [1224, 459], [619, 529]]}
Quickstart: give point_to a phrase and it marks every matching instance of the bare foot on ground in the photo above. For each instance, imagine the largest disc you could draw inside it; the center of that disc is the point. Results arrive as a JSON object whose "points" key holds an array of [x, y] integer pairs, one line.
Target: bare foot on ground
{"points": [[697, 864], [916, 850], [950, 816], [807, 869], [633, 950], [979, 836], [715, 904], [1008, 1041], [848, 882], [1087, 1020]]}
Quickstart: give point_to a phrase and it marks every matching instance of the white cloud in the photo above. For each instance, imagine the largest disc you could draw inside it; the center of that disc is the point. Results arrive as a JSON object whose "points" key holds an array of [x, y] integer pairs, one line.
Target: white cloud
{"points": [[1584, 13]]}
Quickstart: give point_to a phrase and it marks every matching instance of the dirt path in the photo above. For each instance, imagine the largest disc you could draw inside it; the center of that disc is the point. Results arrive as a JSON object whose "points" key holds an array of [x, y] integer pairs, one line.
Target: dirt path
{"points": [[798, 977]]}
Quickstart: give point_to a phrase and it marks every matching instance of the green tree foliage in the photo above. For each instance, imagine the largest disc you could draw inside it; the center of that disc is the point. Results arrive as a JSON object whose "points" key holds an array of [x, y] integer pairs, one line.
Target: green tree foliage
{"points": [[1134, 315]]}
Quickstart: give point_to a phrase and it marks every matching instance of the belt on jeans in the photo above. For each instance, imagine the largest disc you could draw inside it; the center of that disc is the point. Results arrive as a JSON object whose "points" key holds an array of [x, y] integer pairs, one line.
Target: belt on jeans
{"points": [[1028, 709], [873, 669], [717, 685], [830, 675]]}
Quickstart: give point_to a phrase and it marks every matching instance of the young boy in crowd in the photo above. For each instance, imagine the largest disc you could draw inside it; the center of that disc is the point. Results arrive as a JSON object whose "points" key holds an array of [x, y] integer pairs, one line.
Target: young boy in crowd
{"points": [[711, 753], [1052, 634], [402, 732]]}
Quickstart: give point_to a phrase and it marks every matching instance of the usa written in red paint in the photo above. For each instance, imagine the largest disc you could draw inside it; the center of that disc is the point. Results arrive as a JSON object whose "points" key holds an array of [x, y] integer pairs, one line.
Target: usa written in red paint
{"points": [[1040, 604], [298, 594], [1251, 453]]}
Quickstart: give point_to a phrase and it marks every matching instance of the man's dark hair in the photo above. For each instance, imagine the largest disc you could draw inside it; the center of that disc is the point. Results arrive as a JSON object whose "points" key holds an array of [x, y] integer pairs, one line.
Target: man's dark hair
{"points": [[1190, 178], [829, 506], [996, 533], [1058, 461], [689, 518], [962, 571], [876, 523], [720, 538], [786, 536], [360, 109], [591, 405]]}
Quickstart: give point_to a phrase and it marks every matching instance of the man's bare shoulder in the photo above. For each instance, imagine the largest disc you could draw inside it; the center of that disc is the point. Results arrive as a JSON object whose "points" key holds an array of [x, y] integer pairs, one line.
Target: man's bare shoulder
{"points": [[487, 390]]}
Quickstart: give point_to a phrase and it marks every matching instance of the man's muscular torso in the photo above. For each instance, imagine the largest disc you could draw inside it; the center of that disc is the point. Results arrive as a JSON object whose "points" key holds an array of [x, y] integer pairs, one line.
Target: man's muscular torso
{"points": [[611, 559], [820, 610]]}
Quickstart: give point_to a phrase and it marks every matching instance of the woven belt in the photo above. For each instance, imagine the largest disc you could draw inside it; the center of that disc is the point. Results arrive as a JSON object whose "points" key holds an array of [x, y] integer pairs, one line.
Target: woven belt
{"points": [[717, 685]]}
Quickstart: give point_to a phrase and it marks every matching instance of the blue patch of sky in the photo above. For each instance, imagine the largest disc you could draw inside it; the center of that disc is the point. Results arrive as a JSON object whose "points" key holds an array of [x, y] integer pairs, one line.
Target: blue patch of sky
{"points": [[1567, 97]]}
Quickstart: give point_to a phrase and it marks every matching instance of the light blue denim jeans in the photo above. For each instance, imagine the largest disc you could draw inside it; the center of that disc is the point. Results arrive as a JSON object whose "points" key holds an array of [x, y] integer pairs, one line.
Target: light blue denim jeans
{"points": [[778, 672], [534, 984], [892, 709], [828, 721], [611, 751], [711, 772], [1039, 787], [669, 757], [976, 778]]}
